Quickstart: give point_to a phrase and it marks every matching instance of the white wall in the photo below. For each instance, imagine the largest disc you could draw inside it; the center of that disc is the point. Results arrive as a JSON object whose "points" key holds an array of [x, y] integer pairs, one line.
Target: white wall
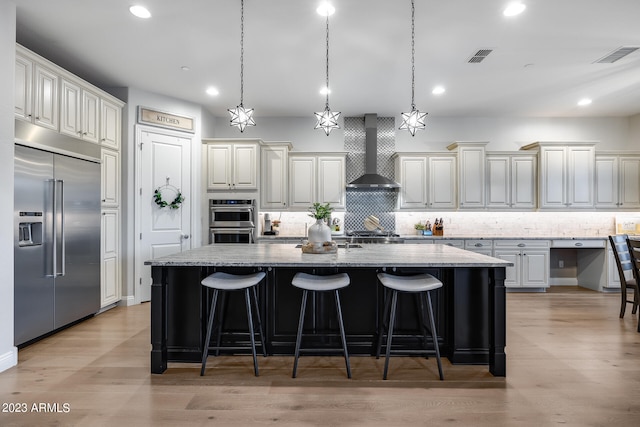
{"points": [[8, 353], [297, 130], [503, 133], [634, 131]]}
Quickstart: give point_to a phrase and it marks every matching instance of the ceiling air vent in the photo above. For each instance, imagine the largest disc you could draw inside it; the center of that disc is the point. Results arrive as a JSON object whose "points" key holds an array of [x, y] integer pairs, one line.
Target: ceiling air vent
{"points": [[479, 56], [617, 54]]}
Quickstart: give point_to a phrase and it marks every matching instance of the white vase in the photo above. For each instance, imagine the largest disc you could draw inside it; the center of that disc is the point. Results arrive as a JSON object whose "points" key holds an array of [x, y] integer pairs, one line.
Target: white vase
{"points": [[319, 232]]}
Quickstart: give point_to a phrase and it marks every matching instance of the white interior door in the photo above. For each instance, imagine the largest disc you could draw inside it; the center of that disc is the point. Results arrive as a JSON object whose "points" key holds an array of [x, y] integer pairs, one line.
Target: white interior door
{"points": [[163, 165]]}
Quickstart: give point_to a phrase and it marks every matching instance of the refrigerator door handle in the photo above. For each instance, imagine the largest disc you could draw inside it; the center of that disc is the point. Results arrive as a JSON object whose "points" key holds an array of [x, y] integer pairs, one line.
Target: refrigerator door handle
{"points": [[50, 229], [59, 228]]}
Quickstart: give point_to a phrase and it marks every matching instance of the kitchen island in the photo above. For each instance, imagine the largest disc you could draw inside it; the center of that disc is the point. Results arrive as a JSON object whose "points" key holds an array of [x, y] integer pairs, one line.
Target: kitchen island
{"points": [[469, 308]]}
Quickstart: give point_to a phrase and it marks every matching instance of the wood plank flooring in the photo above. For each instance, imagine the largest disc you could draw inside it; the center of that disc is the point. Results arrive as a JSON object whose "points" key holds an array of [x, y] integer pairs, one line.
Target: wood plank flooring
{"points": [[571, 361]]}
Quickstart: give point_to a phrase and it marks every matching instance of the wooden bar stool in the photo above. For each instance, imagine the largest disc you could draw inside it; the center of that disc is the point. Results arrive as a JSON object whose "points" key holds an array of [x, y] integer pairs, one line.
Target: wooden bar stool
{"points": [[421, 285], [232, 282], [312, 283]]}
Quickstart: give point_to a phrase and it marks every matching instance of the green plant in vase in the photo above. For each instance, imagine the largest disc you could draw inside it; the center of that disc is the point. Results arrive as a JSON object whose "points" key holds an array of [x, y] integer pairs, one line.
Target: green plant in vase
{"points": [[320, 232], [320, 211]]}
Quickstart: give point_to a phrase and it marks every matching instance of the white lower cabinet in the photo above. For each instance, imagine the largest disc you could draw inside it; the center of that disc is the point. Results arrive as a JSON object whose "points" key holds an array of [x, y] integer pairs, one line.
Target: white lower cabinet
{"points": [[484, 247], [530, 260], [110, 256], [450, 242], [613, 277]]}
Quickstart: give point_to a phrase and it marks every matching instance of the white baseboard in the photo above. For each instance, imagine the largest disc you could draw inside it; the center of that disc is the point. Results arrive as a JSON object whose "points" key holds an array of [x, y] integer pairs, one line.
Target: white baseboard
{"points": [[9, 359], [563, 281], [127, 301]]}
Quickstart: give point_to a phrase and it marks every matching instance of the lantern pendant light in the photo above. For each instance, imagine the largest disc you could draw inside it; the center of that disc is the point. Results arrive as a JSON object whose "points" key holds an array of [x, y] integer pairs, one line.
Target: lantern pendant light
{"points": [[327, 120], [241, 117], [413, 120]]}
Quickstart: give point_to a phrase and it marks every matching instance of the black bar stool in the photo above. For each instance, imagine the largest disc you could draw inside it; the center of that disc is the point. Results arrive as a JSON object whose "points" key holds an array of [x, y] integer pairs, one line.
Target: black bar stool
{"points": [[312, 283], [231, 282], [420, 285]]}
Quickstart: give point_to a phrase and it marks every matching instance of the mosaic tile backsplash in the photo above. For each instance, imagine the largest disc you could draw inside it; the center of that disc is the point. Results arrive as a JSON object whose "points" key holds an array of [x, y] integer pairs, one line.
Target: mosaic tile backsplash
{"points": [[362, 203]]}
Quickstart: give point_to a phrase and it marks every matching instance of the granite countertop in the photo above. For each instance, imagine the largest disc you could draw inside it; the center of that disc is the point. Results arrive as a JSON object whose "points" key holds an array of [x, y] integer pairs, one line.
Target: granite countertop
{"points": [[342, 237], [287, 255]]}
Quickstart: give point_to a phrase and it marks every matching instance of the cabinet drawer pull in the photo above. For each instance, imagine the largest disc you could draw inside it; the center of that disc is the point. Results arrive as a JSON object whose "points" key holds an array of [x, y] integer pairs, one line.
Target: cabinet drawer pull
{"points": [[479, 245], [578, 244], [521, 245]]}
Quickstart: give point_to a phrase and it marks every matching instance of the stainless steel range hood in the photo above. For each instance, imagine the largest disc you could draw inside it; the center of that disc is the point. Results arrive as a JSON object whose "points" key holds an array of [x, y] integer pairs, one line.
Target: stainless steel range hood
{"points": [[371, 179]]}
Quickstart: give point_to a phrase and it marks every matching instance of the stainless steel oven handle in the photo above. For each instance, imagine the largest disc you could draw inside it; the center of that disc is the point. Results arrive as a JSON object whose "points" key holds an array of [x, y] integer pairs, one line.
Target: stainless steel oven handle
{"points": [[232, 230], [230, 208]]}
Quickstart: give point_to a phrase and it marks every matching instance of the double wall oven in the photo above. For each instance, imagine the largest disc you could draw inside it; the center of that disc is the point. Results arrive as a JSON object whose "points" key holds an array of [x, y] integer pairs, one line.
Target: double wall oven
{"points": [[231, 220]]}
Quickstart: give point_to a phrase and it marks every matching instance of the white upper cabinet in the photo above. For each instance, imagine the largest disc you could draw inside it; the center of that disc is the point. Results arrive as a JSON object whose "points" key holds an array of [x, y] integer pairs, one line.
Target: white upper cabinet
{"points": [[411, 173], [511, 181], [232, 165], [332, 180], [110, 124], [274, 179], [36, 91], [617, 181], [23, 88], [471, 174], [319, 177], [426, 181], [442, 182], [51, 97], [79, 111], [567, 174]]}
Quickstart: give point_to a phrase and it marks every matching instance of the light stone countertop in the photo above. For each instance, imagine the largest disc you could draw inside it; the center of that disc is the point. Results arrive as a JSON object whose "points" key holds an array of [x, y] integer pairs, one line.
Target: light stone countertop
{"points": [[287, 255], [342, 237]]}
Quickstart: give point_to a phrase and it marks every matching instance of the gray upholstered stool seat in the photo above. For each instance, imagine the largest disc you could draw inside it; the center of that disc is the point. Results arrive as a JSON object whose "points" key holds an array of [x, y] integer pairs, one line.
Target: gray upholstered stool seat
{"points": [[415, 283], [314, 283], [420, 285], [220, 281], [232, 282]]}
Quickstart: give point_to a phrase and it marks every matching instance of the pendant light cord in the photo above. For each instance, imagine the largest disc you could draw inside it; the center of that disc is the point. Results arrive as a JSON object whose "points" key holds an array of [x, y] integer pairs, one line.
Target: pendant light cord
{"points": [[327, 62], [413, 53], [241, 51]]}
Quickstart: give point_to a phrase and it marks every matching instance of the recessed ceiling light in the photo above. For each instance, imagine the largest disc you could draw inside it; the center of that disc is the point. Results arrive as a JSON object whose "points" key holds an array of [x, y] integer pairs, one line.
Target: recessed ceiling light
{"points": [[513, 9], [325, 90], [325, 9], [185, 68], [140, 11], [212, 91], [584, 102], [438, 90]]}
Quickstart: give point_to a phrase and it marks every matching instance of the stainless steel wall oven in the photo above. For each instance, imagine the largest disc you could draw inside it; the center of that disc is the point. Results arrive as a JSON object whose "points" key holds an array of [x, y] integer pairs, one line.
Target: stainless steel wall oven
{"points": [[231, 220]]}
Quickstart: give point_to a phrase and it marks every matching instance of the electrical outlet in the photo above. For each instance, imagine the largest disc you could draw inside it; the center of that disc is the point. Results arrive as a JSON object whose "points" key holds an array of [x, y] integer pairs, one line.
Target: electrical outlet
{"points": [[561, 264]]}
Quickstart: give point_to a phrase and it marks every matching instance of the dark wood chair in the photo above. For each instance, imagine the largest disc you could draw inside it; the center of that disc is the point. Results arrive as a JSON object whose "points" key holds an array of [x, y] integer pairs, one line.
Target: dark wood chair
{"points": [[634, 251], [628, 277]]}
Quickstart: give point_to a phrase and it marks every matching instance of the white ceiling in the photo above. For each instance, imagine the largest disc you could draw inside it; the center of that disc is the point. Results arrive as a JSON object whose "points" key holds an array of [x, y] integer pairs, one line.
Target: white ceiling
{"points": [[542, 63]]}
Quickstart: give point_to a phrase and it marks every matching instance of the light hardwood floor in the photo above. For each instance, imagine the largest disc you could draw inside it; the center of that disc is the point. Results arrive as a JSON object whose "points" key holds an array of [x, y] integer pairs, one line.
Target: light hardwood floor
{"points": [[571, 361]]}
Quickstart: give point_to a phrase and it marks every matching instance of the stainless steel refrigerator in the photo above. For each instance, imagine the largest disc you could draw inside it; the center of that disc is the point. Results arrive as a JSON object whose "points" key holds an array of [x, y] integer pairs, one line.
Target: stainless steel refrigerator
{"points": [[57, 240]]}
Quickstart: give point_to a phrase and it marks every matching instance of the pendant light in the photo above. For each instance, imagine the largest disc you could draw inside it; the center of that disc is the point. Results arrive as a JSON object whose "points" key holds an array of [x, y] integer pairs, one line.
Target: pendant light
{"points": [[241, 117], [327, 120], [413, 120]]}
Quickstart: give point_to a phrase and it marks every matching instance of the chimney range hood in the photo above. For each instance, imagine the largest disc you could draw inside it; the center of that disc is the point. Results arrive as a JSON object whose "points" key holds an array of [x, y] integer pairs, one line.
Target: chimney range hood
{"points": [[371, 179]]}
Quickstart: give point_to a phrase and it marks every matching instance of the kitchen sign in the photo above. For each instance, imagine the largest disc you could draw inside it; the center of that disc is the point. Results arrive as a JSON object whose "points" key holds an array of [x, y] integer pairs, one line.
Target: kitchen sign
{"points": [[148, 116]]}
